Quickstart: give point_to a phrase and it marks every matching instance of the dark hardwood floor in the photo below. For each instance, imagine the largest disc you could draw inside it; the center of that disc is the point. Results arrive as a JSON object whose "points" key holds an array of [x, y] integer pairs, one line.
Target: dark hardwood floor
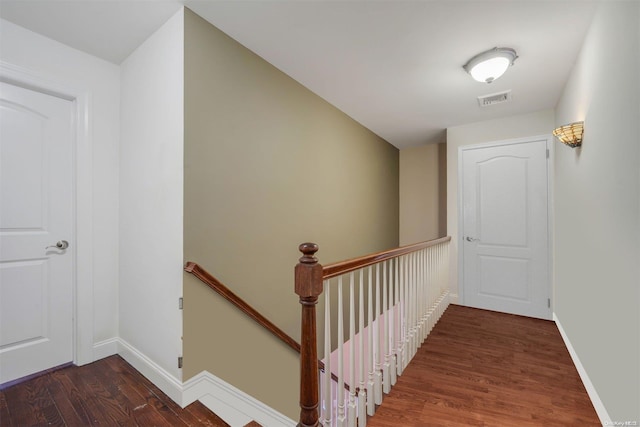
{"points": [[109, 392], [482, 368], [477, 368]]}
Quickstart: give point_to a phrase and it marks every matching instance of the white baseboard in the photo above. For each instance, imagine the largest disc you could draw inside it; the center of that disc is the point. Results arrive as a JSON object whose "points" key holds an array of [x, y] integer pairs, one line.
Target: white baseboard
{"points": [[605, 419], [166, 382], [105, 348], [453, 298], [234, 406]]}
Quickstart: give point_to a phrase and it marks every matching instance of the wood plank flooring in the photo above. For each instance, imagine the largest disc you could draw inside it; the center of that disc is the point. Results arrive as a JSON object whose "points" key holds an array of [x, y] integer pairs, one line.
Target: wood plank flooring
{"points": [[482, 368], [477, 368], [109, 392]]}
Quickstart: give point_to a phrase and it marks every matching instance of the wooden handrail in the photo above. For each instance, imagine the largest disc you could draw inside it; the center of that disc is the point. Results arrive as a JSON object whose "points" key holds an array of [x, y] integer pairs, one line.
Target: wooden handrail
{"points": [[342, 267], [208, 279], [234, 299]]}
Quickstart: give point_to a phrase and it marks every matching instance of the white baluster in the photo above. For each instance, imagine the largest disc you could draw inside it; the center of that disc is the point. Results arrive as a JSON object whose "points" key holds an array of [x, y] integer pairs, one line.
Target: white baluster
{"points": [[436, 286], [409, 309], [351, 409], [437, 266], [393, 296], [439, 270], [403, 321], [443, 257], [434, 292], [445, 266], [386, 376], [414, 318], [341, 417], [419, 300], [425, 294], [445, 275], [420, 289], [437, 283], [411, 300], [426, 288], [438, 279], [416, 268], [428, 291], [371, 406], [362, 394], [377, 391], [327, 402], [447, 254], [405, 312], [412, 307]]}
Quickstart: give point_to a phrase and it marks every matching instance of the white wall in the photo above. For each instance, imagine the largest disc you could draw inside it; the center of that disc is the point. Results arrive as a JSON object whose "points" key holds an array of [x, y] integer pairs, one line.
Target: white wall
{"points": [[99, 80], [538, 123], [151, 203], [597, 203]]}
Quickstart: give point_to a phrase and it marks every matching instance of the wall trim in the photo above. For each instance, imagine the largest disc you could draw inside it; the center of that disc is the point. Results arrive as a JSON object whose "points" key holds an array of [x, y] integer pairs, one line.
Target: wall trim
{"points": [[234, 406], [166, 382], [454, 299], [605, 419], [105, 348]]}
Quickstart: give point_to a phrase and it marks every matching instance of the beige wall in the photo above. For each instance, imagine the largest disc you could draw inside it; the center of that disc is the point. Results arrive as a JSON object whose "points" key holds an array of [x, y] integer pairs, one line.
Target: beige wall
{"points": [[422, 193], [597, 205], [268, 165], [538, 123]]}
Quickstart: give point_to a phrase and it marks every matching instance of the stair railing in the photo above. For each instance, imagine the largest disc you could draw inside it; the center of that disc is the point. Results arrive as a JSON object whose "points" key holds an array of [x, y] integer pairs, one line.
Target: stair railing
{"points": [[216, 285], [406, 292], [208, 279]]}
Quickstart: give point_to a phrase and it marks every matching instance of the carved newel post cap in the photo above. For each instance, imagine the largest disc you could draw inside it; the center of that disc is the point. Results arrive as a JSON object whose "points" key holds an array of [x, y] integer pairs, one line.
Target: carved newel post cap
{"points": [[308, 273], [308, 249]]}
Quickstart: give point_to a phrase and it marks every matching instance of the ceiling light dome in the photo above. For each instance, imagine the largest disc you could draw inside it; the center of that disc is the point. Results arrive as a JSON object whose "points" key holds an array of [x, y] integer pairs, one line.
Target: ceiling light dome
{"points": [[487, 66]]}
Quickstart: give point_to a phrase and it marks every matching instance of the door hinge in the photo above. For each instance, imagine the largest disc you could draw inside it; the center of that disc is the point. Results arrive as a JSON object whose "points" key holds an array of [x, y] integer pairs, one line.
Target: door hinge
{"points": [[180, 301], [549, 302], [547, 153], [180, 362]]}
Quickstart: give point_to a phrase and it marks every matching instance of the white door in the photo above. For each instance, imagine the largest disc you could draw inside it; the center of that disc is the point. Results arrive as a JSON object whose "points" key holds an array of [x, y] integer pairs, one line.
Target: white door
{"points": [[504, 231], [36, 212]]}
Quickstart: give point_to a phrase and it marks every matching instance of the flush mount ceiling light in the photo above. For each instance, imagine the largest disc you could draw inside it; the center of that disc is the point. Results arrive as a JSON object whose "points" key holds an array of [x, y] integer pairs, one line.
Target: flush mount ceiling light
{"points": [[487, 66]]}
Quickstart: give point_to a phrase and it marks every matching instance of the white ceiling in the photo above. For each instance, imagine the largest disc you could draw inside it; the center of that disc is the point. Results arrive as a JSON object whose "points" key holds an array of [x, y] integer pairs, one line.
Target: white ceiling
{"points": [[394, 66]]}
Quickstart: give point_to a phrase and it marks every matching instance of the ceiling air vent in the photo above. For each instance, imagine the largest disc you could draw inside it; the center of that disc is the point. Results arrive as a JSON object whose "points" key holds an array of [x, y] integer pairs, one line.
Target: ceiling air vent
{"points": [[494, 98]]}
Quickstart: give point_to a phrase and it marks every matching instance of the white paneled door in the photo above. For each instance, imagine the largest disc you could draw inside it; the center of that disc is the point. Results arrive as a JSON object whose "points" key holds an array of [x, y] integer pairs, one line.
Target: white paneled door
{"points": [[505, 228], [36, 232]]}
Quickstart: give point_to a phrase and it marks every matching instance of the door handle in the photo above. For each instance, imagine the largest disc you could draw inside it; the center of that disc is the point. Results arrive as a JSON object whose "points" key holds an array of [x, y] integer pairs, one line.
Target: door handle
{"points": [[62, 244], [471, 239]]}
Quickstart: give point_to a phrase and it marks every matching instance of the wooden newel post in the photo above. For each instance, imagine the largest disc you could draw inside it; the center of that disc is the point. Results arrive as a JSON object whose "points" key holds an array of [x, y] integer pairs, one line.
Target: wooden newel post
{"points": [[308, 285]]}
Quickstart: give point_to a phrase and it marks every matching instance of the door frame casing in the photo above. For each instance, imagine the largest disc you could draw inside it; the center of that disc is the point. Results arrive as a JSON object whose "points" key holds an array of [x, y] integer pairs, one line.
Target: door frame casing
{"points": [[82, 195], [550, 207]]}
